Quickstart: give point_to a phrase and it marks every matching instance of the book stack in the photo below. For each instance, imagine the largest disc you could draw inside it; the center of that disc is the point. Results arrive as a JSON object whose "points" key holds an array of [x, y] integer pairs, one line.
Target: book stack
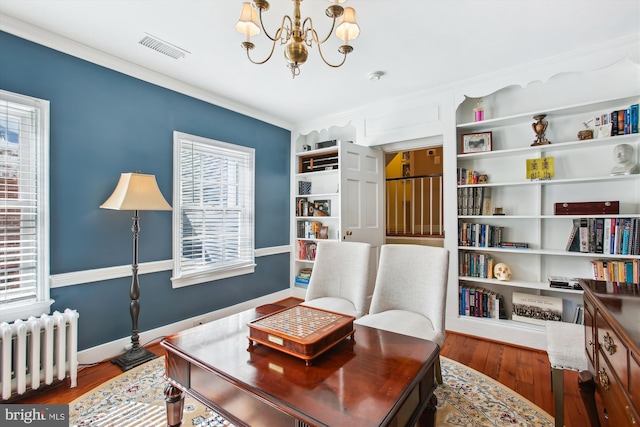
{"points": [[617, 270], [308, 229], [303, 276], [475, 264], [474, 201], [479, 302], [611, 236], [479, 235], [306, 250], [623, 121]]}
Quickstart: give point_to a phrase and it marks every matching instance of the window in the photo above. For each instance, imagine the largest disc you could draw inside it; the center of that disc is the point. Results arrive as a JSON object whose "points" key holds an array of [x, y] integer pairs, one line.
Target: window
{"points": [[213, 210], [24, 222]]}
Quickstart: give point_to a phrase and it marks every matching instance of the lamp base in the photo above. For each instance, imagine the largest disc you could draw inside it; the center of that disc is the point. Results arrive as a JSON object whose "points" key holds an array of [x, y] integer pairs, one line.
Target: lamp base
{"points": [[134, 357]]}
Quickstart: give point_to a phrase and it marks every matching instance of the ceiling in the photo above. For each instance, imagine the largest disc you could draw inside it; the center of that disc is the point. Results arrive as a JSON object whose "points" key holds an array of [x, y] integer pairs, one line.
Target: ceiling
{"points": [[419, 45]]}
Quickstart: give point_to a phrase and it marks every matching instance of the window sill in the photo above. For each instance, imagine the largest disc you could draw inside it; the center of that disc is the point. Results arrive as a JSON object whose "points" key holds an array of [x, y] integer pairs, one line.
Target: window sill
{"points": [[25, 310]]}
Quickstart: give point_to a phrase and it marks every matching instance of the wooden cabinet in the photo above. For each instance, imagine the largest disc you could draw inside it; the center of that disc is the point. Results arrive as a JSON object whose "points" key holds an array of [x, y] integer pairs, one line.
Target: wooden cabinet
{"points": [[536, 237], [615, 334]]}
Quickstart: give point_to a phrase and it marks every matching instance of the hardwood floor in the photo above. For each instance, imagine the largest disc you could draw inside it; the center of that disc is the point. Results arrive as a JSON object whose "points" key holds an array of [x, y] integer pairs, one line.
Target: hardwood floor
{"points": [[523, 370]]}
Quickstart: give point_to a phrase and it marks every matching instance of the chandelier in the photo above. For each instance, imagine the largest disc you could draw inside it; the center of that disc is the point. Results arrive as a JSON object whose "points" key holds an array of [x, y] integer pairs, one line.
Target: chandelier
{"points": [[297, 35]]}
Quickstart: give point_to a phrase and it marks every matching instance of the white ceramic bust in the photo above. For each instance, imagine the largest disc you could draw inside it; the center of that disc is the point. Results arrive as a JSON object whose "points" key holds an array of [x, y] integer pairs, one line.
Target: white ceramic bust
{"points": [[623, 155]]}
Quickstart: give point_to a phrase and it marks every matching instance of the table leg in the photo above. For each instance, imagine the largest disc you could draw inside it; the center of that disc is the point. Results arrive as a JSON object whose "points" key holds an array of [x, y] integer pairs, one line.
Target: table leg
{"points": [[174, 400], [587, 386], [428, 417]]}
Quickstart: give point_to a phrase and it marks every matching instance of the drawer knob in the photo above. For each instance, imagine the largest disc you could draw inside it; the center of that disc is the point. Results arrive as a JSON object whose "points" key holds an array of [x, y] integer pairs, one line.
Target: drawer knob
{"points": [[604, 379], [609, 345]]}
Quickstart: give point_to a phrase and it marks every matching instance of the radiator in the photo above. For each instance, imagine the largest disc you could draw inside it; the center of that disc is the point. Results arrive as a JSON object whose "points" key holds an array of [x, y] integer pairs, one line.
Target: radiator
{"points": [[37, 351]]}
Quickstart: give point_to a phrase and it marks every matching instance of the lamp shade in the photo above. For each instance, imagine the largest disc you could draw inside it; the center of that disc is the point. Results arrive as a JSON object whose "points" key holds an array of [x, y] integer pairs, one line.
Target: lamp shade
{"points": [[348, 28], [137, 191], [248, 22]]}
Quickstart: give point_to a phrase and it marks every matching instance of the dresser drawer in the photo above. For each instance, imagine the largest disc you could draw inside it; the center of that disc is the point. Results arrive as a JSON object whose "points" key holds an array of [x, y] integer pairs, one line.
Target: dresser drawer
{"points": [[616, 410], [614, 351]]}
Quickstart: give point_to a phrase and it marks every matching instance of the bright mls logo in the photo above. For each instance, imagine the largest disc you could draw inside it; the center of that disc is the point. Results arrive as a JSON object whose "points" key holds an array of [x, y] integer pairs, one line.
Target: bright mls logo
{"points": [[34, 415]]}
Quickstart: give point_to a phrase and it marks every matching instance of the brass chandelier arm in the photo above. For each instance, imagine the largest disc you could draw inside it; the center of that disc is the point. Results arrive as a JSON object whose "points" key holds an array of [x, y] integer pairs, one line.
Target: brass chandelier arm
{"points": [[314, 33], [280, 30], [344, 49], [273, 47]]}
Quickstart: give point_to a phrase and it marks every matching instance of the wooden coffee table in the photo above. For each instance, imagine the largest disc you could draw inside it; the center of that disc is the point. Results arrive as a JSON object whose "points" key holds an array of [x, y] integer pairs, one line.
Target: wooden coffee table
{"points": [[375, 378]]}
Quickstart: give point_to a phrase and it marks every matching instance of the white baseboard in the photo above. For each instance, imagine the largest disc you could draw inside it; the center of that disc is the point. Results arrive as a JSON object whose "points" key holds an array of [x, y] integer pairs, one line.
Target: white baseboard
{"points": [[112, 349]]}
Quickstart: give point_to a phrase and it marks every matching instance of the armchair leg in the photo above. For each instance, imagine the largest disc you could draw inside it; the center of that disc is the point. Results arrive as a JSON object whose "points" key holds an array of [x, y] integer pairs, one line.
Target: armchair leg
{"points": [[557, 384], [438, 370]]}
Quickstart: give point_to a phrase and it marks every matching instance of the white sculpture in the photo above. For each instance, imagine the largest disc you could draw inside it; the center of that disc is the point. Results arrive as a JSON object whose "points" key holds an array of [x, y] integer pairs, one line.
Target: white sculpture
{"points": [[502, 271], [623, 155]]}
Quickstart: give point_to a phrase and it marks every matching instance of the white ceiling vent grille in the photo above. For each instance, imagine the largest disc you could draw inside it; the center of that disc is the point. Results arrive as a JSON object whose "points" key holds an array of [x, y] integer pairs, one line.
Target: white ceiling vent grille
{"points": [[162, 46]]}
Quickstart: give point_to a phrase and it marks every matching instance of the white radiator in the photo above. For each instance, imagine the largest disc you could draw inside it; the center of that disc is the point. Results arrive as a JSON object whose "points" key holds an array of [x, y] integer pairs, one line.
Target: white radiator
{"points": [[38, 350]]}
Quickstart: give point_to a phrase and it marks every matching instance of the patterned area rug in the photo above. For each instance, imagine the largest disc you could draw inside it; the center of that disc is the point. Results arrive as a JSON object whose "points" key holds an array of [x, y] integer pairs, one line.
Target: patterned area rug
{"points": [[135, 399]]}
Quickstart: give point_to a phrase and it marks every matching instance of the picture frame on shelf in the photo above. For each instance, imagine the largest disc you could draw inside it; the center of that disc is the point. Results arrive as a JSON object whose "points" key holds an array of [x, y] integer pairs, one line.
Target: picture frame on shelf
{"points": [[324, 232], [477, 142]]}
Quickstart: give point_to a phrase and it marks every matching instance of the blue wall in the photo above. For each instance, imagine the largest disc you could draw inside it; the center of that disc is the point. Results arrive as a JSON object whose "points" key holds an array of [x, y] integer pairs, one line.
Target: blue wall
{"points": [[104, 123]]}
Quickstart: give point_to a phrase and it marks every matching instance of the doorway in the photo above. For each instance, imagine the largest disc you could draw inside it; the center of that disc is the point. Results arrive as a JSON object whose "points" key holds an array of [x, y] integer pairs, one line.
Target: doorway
{"points": [[414, 196]]}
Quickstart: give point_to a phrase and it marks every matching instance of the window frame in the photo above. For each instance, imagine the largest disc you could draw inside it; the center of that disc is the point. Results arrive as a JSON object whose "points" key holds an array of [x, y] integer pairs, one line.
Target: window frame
{"points": [[211, 271], [41, 303]]}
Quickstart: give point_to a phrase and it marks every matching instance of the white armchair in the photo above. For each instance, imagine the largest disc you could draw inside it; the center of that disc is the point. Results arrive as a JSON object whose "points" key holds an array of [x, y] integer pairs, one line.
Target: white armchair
{"points": [[409, 293], [340, 279]]}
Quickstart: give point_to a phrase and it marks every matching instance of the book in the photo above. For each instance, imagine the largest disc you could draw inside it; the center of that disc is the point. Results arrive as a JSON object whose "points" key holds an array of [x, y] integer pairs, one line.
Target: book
{"points": [[573, 243], [599, 235], [536, 309], [621, 115], [626, 236], [614, 123], [634, 118], [486, 201], [606, 238], [584, 235]]}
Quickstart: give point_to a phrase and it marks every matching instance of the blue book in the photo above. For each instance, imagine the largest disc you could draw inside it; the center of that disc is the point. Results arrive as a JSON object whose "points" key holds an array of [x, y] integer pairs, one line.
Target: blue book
{"points": [[634, 118]]}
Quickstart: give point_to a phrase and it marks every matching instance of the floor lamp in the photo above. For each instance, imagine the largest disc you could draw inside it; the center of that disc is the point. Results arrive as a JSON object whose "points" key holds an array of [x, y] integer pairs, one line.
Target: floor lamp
{"points": [[135, 192]]}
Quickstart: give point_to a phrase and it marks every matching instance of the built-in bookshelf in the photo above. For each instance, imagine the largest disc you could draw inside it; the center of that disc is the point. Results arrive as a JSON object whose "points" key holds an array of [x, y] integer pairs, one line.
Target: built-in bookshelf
{"points": [[317, 205], [506, 217]]}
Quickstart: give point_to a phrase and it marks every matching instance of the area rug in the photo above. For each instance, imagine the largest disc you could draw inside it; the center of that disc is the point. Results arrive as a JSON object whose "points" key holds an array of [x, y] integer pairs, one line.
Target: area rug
{"points": [[135, 399]]}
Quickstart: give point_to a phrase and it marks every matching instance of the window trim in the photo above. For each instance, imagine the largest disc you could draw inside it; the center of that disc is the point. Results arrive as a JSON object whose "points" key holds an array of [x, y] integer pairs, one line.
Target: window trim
{"points": [[180, 279], [43, 302]]}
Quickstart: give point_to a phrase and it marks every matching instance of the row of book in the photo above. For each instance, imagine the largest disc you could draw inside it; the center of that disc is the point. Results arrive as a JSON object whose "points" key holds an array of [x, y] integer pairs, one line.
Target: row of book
{"points": [[303, 277], [479, 235], [474, 201], [307, 250], [308, 229], [480, 302], [611, 236], [623, 122], [476, 264], [616, 270], [467, 176]]}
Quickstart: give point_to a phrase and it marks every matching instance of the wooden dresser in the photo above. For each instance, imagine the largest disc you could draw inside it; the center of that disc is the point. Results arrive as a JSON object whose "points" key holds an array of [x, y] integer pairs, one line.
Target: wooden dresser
{"points": [[612, 342]]}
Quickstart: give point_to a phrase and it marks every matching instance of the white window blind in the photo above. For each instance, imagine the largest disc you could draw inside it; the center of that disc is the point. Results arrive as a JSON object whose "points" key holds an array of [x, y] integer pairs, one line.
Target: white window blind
{"points": [[24, 243], [213, 201]]}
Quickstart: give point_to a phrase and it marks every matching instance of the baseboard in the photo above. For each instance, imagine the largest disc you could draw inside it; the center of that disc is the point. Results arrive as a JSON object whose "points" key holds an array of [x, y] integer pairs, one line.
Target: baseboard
{"points": [[112, 349]]}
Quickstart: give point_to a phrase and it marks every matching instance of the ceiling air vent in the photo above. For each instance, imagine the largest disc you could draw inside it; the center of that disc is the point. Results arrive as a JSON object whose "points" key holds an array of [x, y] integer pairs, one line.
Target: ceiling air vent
{"points": [[162, 46]]}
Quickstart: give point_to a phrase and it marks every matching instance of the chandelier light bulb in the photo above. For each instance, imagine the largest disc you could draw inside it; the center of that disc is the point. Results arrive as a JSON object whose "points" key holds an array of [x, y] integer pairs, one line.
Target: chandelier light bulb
{"points": [[348, 29], [248, 22]]}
